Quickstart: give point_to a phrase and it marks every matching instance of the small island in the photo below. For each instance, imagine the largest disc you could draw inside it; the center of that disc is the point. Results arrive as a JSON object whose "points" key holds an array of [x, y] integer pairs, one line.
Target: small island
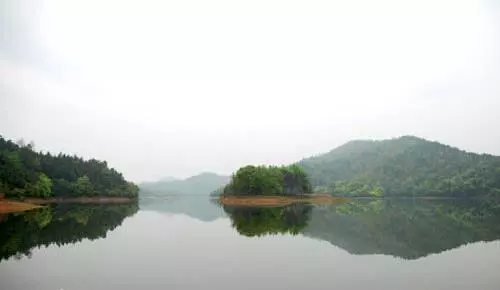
{"points": [[270, 186], [28, 177]]}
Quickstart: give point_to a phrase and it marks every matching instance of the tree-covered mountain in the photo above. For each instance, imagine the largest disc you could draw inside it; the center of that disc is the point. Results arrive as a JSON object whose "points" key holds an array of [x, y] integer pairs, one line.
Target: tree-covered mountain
{"points": [[201, 184], [25, 172], [405, 166]]}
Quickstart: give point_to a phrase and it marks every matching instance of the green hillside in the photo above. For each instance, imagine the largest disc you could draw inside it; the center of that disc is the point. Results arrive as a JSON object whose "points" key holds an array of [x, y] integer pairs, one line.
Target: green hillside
{"points": [[405, 166], [26, 172]]}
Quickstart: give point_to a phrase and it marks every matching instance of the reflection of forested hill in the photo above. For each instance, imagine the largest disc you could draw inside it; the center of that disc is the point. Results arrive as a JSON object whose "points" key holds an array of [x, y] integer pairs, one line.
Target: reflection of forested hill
{"points": [[199, 207], [406, 229], [60, 224]]}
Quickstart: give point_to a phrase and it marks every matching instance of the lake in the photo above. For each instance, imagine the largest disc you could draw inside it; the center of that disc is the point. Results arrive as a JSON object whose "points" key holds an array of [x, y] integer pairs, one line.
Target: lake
{"points": [[193, 243]]}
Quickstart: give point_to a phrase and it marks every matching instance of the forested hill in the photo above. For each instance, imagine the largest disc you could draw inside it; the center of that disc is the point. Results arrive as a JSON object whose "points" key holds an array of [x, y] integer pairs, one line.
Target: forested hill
{"points": [[25, 172], [201, 184], [404, 166]]}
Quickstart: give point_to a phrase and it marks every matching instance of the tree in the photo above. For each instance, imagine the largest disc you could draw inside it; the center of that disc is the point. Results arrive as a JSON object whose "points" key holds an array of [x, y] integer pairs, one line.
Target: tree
{"points": [[268, 180], [83, 186], [44, 186]]}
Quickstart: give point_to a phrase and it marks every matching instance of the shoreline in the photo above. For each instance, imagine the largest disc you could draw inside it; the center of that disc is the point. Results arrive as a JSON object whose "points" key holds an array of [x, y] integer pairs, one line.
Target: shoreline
{"points": [[11, 206], [82, 199], [269, 200]]}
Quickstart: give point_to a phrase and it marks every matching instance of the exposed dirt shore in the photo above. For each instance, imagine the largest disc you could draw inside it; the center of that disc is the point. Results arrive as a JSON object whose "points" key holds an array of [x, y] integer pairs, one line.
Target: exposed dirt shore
{"points": [[279, 200], [9, 206], [83, 199]]}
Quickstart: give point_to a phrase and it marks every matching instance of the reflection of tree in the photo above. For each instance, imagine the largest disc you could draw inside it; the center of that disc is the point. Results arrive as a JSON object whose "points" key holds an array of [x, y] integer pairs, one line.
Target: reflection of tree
{"points": [[259, 221], [61, 224], [407, 229]]}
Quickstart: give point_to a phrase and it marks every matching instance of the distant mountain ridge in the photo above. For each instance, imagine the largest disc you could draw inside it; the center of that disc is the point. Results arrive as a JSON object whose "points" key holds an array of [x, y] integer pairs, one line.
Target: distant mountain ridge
{"points": [[402, 166], [201, 184], [188, 196]]}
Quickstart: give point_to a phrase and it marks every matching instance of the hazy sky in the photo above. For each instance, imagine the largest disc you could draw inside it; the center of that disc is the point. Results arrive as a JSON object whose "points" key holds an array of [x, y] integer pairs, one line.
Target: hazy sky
{"points": [[161, 88]]}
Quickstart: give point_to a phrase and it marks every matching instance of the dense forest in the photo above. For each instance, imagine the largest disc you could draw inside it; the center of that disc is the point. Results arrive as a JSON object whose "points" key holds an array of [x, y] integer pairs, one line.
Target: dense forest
{"points": [[59, 224], [268, 180], [406, 166], [25, 172], [409, 229]]}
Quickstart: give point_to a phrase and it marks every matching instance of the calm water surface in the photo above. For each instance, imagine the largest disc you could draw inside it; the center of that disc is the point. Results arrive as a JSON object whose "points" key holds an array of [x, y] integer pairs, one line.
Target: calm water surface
{"points": [[192, 243]]}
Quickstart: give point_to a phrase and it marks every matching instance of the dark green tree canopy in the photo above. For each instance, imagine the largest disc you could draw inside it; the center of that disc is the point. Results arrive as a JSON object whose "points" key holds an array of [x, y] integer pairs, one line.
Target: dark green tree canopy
{"points": [[268, 180], [25, 172]]}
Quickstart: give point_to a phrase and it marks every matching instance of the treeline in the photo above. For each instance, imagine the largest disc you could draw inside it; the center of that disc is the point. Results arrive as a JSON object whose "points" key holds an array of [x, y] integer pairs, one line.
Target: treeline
{"points": [[268, 180], [406, 166], [60, 225], [25, 172]]}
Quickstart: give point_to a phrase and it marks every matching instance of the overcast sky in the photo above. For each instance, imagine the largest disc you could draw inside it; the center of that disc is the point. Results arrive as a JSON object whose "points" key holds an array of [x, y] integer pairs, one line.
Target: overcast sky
{"points": [[173, 88]]}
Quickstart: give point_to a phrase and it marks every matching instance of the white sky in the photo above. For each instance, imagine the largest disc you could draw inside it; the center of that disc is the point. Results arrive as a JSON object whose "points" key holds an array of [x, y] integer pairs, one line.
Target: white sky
{"points": [[173, 88]]}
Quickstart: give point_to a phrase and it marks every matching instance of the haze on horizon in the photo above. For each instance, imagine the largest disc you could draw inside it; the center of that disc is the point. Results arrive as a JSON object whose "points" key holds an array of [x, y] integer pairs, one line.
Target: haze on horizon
{"points": [[175, 88]]}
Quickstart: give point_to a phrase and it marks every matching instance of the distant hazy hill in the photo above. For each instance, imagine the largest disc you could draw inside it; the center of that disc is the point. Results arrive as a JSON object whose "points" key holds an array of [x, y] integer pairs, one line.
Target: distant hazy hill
{"points": [[404, 166], [177, 196], [202, 184]]}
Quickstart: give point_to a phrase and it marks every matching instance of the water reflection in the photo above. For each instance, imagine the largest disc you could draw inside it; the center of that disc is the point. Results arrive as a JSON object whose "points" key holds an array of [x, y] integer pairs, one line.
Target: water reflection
{"points": [[196, 206], [259, 221], [292, 247], [58, 224], [408, 229]]}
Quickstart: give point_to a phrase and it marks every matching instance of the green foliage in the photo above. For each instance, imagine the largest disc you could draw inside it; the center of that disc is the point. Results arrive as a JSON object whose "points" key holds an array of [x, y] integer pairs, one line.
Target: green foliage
{"points": [[407, 166], [83, 186], [42, 188], [24, 172], [268, 180]]}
